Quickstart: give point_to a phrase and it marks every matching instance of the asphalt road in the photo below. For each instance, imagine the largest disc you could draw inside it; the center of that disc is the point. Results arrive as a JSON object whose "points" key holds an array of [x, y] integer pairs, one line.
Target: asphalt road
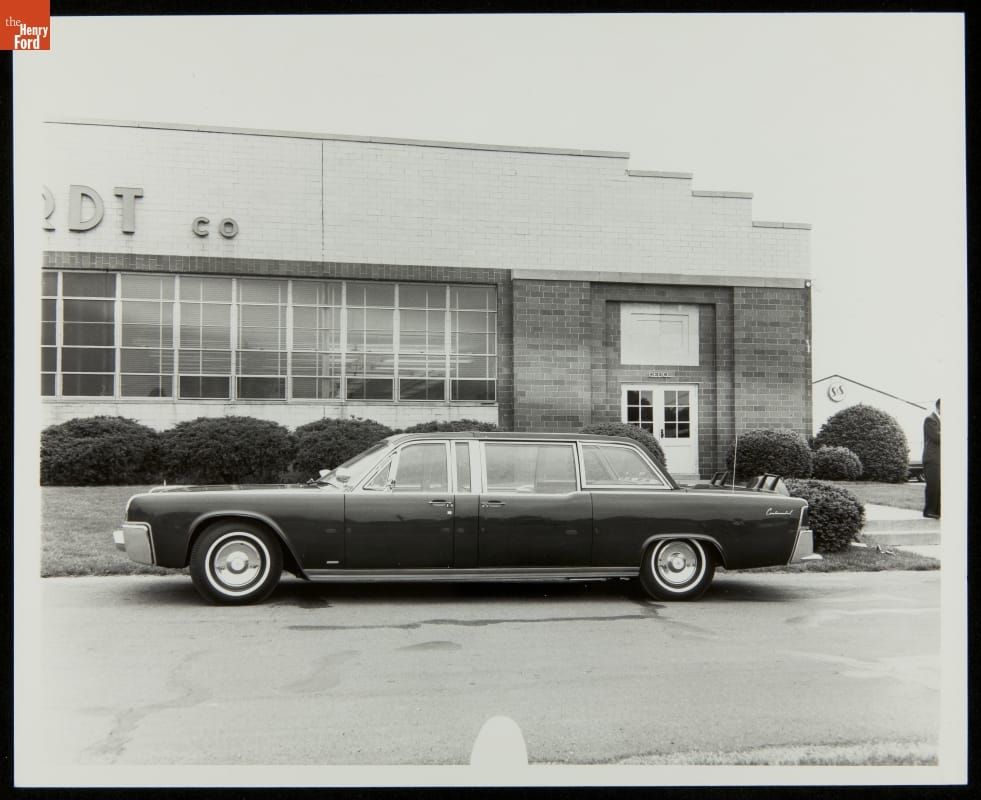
{"points": [[137, 671]]}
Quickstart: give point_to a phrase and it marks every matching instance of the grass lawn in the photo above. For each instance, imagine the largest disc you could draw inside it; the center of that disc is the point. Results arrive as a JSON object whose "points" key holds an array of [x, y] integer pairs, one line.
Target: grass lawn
{"points": [[77, 525], [76, 531], [899, 495]]}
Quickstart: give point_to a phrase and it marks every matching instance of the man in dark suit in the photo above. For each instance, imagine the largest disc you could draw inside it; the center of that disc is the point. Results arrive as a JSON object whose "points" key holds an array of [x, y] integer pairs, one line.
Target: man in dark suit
{"points": [[931, 463]]}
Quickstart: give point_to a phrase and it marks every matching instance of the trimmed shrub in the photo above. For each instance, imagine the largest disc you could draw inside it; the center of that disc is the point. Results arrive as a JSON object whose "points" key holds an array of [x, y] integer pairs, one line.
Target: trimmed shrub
{"points": [[836, 464], [327, 443], [783, 452], [451, 425], [872, 435], [210, 450], [99, 451], [835, 514], [646, 440]]}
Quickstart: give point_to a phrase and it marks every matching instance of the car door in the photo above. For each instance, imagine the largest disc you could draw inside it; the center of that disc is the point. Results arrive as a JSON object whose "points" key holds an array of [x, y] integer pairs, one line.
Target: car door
{"points": [[402, 518], [531, 511]]}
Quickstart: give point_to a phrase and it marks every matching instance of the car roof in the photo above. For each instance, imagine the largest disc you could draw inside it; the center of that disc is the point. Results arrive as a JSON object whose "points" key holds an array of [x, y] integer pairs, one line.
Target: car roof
{"points": [[509, 436]]}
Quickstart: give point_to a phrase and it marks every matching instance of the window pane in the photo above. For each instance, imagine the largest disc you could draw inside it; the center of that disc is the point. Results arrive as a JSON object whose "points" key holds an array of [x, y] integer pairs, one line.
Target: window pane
{"points": [[49, 310], [48, 385], [371, 294], [604, 464], [422, 468], [147, 385], [87, 385], [148, 286], [262, 388], [262, 291], [543, 469], [415, 389], [204, 387], [88, 334], [416, 296], [316, 293], [88, 284], [316, 388], [88, 310], [49, 284], [381, 478], [473, 297], [262, 363], [147, 360], [78, 359], [462, 466], [147, 336], [473, 390], [473, 366], [369, 389], [49, 359]]}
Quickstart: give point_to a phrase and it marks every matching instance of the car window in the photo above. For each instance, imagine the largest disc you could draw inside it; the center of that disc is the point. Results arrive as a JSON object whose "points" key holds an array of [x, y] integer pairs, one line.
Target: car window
{"points": [[382, 477], [462, 466], [610, 465], [532, 468], [422, 468]]}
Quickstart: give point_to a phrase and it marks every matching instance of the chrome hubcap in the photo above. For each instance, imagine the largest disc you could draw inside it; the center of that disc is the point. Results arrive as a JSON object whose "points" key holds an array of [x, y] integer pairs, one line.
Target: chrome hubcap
{"points": [[677, 563], [237, 563]]}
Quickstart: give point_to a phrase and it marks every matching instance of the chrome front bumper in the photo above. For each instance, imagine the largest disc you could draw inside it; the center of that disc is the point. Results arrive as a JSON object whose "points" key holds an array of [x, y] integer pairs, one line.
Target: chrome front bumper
{"points": [[804, 546], [134, 539]]}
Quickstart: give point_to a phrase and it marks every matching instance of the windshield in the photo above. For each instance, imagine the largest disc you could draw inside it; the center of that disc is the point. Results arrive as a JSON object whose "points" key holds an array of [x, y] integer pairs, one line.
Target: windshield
{"points": [[358, 465]]}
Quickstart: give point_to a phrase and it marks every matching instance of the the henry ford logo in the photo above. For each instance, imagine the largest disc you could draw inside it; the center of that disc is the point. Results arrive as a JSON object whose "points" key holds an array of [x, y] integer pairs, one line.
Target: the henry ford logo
{"points": [[772, 512], [26, 25]]}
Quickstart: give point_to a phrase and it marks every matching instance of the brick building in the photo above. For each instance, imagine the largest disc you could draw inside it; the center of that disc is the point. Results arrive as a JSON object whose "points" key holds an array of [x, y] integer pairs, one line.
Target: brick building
{"points": [[192, 271]]}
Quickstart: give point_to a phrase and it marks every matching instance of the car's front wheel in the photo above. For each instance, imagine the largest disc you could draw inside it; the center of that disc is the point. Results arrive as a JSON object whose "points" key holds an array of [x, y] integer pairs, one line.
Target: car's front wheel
{"points": [[677, 569], [233, 563]]}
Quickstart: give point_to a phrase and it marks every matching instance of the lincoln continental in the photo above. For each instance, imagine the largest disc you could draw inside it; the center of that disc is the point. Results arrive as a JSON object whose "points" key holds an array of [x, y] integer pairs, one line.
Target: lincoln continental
{"points": [[469, 506]]}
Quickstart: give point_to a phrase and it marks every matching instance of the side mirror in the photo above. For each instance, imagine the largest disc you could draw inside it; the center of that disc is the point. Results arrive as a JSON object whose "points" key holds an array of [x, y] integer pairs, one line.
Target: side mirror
{"points": [[342, 475]]}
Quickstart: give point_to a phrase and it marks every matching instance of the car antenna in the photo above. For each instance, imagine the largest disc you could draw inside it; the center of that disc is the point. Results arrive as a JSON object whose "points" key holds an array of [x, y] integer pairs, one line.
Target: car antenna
{"points": [[735, 452]]}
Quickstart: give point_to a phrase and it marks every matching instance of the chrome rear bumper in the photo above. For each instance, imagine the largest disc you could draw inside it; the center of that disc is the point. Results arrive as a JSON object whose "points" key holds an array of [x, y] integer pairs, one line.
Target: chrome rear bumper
{"points": [[804, 546]]}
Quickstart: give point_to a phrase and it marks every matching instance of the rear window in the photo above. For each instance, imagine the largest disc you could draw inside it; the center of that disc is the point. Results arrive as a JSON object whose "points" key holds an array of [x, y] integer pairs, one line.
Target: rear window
{"points": [[615, 465]]}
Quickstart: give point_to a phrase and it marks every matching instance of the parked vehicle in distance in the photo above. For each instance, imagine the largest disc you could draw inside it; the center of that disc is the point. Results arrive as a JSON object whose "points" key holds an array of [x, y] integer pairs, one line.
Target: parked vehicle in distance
{"points": [[470, 506]]}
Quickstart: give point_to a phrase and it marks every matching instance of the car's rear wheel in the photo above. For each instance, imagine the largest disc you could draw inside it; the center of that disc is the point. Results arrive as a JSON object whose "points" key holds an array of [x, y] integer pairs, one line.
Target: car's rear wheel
{"points": [[233, 563], [677, 569]]}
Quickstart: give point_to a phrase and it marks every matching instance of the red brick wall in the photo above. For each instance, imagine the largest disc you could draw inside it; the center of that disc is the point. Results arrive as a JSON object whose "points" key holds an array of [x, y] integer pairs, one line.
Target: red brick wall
{"points": [[754, 362], [772, 361]]}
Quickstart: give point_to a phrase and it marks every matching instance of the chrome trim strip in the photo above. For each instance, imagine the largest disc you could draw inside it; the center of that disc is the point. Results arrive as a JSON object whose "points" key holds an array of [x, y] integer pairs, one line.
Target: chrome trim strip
{"points": [[476, 574]]}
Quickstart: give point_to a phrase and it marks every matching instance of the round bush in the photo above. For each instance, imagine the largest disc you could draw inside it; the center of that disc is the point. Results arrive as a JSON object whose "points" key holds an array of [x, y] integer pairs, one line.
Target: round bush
{"points": [[210, 450], [873, 436], [451, 425], [99, 451], [836, 464], [835, 514], [326, 443], [783, 452], [646, 440]]}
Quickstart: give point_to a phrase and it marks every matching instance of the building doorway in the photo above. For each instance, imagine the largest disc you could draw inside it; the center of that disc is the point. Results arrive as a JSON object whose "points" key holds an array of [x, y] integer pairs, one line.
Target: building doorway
{"points": [[670, 413]]}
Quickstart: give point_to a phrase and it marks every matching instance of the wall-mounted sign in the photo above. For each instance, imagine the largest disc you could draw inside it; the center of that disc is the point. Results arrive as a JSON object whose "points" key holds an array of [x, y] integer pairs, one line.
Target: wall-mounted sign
{"points": [[836, 391], [656, 374], [86, 209]]}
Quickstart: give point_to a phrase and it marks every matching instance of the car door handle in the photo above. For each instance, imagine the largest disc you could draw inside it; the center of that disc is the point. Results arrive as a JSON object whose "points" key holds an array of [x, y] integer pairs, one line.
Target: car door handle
{"points": [[442, 503], [492, 504]]}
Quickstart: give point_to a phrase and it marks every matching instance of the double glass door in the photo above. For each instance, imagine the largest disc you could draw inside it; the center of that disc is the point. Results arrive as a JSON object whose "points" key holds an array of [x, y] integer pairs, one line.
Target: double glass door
{"points": [[670, 413]]}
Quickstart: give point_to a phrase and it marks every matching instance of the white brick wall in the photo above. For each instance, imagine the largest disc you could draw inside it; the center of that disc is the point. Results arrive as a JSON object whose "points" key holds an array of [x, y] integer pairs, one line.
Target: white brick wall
{"points": [[332, 199]]}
